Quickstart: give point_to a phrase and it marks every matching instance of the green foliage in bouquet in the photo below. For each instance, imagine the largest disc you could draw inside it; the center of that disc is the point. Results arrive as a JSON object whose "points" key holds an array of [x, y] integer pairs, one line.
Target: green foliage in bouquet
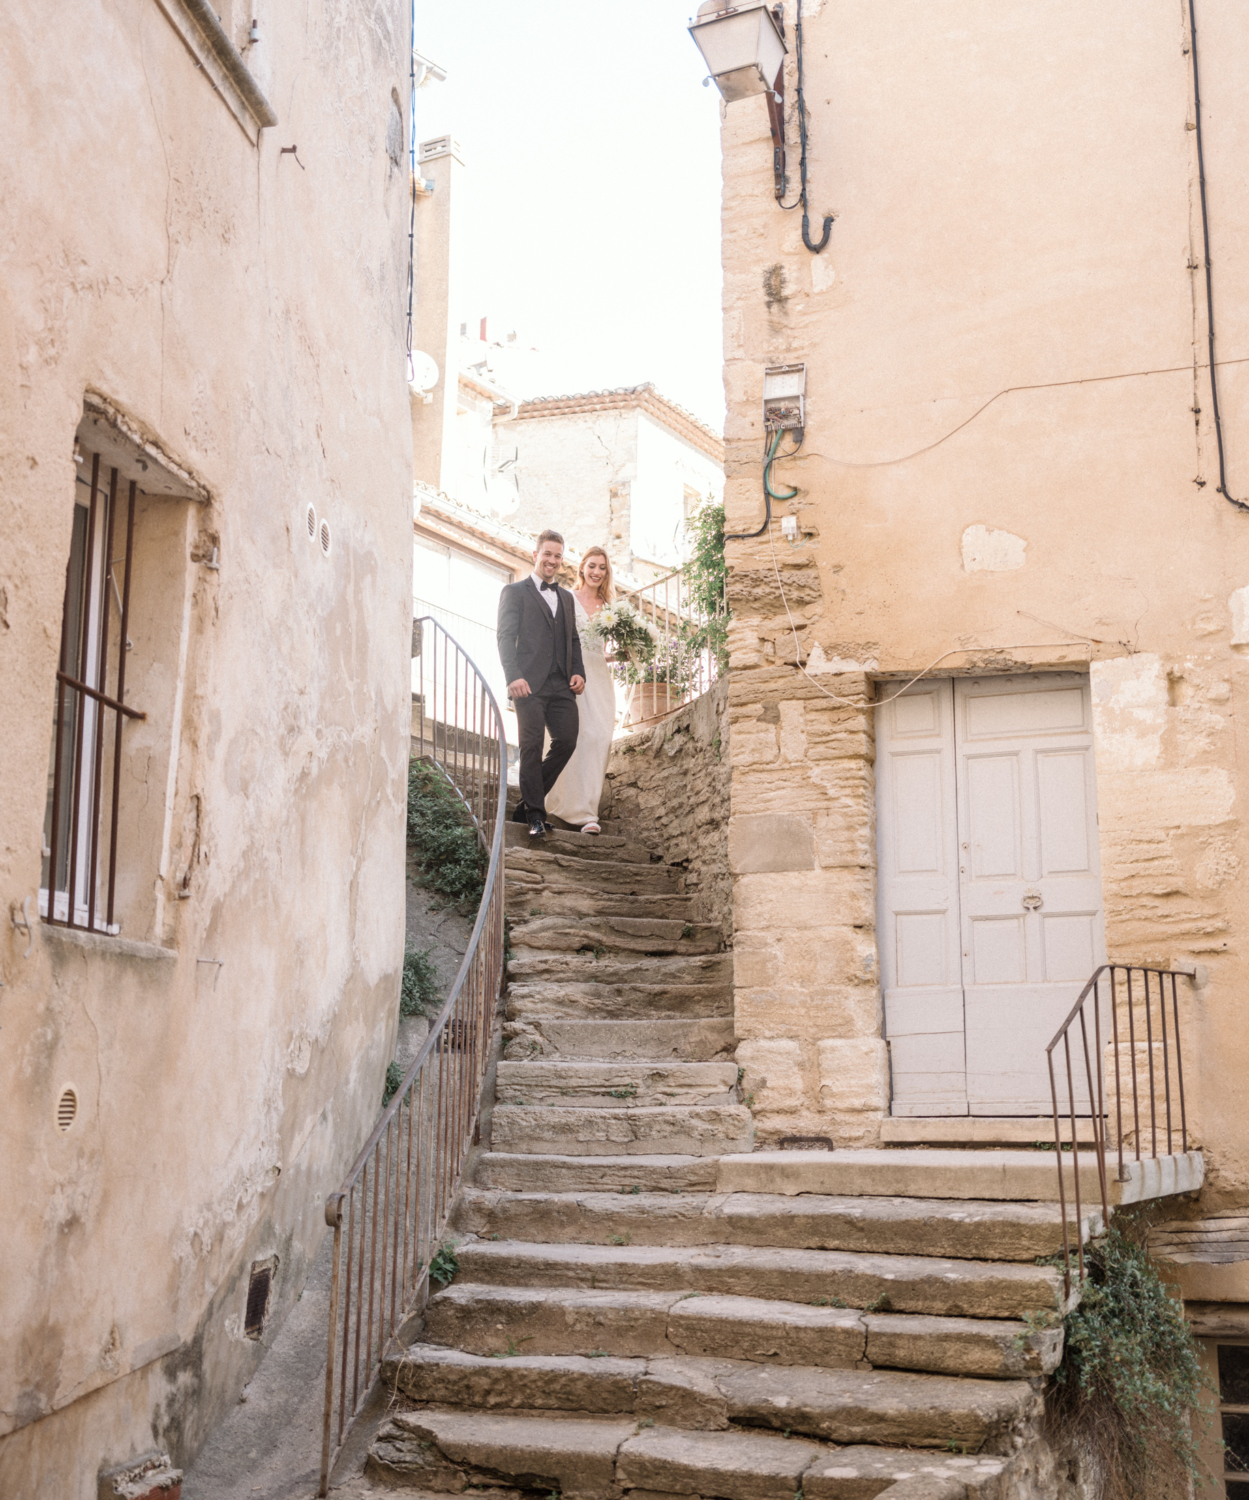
{"points": [[624, 633]]}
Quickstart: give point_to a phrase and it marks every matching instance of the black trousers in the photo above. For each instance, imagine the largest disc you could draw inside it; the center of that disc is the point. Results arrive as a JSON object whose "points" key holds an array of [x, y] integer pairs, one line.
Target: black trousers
{"points": [[552, 708]]}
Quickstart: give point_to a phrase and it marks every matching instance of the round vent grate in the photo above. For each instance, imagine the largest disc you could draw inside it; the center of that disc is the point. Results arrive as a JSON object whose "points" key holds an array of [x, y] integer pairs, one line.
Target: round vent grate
{"points": [[66, 1109], [311, 517], [325, 537]]}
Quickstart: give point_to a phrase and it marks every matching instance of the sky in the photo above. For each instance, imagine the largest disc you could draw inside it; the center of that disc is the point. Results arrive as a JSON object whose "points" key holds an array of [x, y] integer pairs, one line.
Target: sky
{"points": [[592, 220]]}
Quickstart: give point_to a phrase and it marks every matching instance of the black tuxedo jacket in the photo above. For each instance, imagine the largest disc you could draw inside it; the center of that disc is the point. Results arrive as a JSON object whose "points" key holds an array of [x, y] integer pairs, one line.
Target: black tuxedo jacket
{"points": [[531, 638]]}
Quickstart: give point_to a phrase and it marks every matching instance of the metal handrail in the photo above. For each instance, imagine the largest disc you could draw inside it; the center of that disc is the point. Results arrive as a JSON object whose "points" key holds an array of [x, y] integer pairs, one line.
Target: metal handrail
{"points": [[1121, 996], [665, 604], [395, 1201]]}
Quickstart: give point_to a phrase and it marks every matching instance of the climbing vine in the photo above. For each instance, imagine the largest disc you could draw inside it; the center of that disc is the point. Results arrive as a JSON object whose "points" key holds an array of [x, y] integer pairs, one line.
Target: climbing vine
{"points": [[442, 841], [1128, 1398], [706, 576]]}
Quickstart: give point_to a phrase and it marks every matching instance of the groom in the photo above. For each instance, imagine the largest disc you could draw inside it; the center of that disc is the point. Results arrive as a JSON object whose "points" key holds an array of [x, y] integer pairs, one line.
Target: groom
{"points": [[541, 654]]}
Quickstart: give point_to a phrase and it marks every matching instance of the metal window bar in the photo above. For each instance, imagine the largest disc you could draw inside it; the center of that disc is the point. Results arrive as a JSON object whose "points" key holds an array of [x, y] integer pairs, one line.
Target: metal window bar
{"points": [[1115, 993], [390, 1213], [686, 663], [81, 826]]}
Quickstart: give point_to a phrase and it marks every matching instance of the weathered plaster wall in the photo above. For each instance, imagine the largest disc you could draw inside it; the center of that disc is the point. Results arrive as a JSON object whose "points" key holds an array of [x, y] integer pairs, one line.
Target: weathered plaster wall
{"points": [[1009, 458], [243, 309], [670, 785]]}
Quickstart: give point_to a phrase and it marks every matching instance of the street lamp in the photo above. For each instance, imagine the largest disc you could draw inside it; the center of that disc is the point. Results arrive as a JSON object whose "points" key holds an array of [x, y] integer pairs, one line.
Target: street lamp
{"points": [[743, 47]]}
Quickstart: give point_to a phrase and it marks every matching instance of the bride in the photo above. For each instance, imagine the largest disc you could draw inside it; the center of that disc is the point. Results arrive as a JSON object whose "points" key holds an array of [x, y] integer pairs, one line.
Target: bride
{"points": [[575, 796]]}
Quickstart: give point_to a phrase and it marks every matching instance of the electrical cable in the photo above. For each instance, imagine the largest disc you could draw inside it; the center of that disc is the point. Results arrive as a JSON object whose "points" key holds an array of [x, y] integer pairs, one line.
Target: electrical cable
{"points": [[1205, 241], [411, 177], [802, 161], [769, 494]]}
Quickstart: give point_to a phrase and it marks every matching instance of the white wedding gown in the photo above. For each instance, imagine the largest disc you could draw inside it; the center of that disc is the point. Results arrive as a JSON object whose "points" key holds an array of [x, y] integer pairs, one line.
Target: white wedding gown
{"points": [[575, 796]]}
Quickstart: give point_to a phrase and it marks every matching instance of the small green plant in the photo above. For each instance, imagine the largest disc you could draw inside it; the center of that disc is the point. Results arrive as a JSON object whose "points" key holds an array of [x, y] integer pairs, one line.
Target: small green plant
{"points": [[749, 1101], [394, 1077], [628, 1092], [418, 990], [688, 930], [881, 1304], [635, 1188], [621, 1239], [513, 1348], [444, 1266], [442, 841], [1034, 1323], [597, 1354], [827, 1302], [646, 1422], [1130, 1385], [952, 1445]]}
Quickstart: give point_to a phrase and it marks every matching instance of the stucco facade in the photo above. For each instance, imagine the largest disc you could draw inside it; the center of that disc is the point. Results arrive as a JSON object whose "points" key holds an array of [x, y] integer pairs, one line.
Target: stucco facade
{"points": [[1008, 467], [215, 302], [619, 469]]}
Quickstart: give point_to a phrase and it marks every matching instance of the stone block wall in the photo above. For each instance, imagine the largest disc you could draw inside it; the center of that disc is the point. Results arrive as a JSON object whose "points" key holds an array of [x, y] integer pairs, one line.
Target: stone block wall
{"points": [[802, 856], [670, 784]]}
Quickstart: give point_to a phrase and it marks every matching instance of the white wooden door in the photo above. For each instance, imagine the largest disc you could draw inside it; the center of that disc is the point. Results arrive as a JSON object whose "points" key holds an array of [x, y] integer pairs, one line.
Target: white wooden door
{"points": [[1019, 875]]}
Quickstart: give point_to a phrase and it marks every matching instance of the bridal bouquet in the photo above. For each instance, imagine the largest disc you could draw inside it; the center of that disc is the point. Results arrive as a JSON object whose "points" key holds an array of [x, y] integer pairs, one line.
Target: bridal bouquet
{"points": [[622, 631]]}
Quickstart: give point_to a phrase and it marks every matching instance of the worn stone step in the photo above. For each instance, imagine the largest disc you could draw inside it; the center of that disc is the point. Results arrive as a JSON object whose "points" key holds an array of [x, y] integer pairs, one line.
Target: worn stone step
{"points": [[878, 1283], [487, 1319], [526, 901], [535, 966], [533, 868], [557, 1173], [592, 847], [1003, 1175], [610, 1085], [900, 1226], [700, 1040], [701, 1130], [622, 1002], [616, 935], [596, 1458]]}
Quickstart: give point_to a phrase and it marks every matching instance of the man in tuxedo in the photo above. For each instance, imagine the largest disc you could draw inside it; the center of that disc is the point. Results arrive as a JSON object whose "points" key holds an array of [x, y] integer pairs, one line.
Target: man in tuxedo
{"points": [[541, 654]]}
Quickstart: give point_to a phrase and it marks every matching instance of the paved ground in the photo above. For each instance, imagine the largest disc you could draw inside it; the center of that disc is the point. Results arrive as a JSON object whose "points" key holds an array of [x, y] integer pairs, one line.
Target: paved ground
{"points": [[269, 1448]]}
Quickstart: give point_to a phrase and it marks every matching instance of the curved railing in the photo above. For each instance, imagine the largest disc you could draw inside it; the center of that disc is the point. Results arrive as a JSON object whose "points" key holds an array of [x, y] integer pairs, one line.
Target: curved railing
{"points": [[391, 1211]]}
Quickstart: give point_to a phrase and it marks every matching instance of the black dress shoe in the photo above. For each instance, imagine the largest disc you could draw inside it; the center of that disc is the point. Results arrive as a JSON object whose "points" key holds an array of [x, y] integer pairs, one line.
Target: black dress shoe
{"points": [[520, 813], [537, 827]]}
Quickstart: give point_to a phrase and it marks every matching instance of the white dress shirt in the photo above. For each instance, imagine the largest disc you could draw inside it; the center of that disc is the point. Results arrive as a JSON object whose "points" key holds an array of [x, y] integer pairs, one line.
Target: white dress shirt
{"points": [[549, 597]]}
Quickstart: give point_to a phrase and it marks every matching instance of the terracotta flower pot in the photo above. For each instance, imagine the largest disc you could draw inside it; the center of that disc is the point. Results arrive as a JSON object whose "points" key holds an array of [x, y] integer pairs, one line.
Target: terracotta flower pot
{"points": [[652, 700]]}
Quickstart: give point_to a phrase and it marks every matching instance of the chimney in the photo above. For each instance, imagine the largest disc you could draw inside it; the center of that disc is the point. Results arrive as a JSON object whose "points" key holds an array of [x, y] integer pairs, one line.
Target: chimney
{"points": [[434, 449]]}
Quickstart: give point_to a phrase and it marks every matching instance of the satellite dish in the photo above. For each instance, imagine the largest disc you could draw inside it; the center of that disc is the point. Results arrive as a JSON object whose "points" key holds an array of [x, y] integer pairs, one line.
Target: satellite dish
{"points": [[424, 372]]}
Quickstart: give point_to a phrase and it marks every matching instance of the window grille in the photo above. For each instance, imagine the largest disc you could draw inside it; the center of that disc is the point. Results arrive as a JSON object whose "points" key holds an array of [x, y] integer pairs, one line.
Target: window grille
{"points": [[84, 775]]}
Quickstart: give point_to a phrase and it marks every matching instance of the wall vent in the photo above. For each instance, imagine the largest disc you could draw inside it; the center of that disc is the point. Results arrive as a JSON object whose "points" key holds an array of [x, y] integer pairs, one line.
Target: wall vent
{"points": [[325, 537], [310, 515], [258, 1290], [66, 1110]]}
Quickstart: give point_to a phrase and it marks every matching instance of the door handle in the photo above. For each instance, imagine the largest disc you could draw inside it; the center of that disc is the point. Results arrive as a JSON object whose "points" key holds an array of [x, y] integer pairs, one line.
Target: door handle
{"points": [[1032, 900]]}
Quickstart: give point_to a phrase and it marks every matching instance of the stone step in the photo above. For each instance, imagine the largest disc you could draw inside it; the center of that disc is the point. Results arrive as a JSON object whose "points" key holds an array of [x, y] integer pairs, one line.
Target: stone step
{"points": [[702, 1130], [489, 1320], [585, 1212], [1016, 1176], [700, 1040], [533, 867], [619, 1002], [525, 901], [876, 1283], [587, 846], [534, 966], [608, 1085], [596, 1458], [602, 935], [555, 1173]]}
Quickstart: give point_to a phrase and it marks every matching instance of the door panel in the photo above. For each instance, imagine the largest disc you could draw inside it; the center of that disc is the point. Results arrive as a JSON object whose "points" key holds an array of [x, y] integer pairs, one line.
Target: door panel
{"points": [[918, 918], [990, 914]]}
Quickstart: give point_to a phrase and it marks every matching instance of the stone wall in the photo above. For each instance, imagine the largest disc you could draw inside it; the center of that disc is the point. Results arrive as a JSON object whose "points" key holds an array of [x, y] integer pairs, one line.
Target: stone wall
{"points": [[670, 785]]}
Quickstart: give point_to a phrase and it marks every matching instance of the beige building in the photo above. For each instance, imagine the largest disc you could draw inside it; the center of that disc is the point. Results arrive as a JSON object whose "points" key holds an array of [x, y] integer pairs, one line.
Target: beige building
{"points": [[623, 469], [204, 595], [1010, 495]]}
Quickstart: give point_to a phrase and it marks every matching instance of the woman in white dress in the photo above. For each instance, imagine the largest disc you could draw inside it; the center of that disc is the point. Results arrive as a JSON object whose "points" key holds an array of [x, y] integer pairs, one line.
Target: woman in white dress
{"points": [[575, 796]]}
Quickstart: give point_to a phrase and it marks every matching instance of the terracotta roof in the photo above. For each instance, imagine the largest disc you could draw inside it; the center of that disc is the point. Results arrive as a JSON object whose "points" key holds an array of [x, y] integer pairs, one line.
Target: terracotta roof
{"points": [[642, 397], [477, 522]]}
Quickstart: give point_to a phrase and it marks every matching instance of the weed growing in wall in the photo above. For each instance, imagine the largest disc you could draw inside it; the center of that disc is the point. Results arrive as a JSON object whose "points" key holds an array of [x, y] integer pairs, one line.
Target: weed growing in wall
{"points": [[442, 841], [1127, 1400], [394, 1077], [706, 574]]}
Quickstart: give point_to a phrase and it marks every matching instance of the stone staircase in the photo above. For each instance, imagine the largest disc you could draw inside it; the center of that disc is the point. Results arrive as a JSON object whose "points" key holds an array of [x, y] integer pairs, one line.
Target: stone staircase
{"points": [[645, 1307]]}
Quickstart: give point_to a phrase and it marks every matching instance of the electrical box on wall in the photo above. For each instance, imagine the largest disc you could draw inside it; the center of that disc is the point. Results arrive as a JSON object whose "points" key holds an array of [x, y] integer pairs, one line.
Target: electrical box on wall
{"points": [[784, 387]]}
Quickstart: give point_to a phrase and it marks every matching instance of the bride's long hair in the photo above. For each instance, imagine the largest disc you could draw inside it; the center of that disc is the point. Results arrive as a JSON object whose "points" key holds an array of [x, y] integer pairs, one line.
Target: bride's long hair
{"points": [[606, 589]]}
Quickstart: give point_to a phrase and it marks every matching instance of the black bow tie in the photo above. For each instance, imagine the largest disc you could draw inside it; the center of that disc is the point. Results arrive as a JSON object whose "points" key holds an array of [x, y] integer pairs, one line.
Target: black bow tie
{"points": [[554, 587]]}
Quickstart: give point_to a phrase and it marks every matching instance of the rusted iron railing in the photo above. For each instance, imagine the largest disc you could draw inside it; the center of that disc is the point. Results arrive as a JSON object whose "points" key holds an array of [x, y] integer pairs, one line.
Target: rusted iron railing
{"points": [[1120, 1025], [688, 647], [391, 1211], [79, 883]]}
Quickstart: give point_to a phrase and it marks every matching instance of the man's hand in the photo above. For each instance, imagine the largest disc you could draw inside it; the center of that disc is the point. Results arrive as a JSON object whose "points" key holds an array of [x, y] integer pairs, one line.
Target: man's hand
{"points": [[577, 684], [520, 688]]}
